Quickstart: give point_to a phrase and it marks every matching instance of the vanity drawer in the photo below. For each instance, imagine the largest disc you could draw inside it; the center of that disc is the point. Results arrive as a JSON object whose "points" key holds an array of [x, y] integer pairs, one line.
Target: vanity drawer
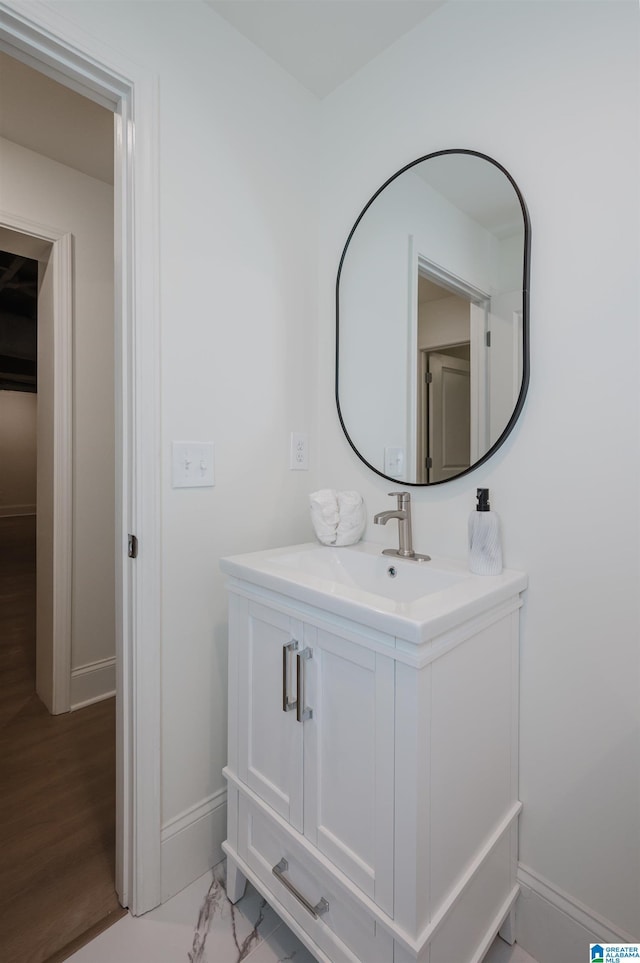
{"points": [[263, 844]]}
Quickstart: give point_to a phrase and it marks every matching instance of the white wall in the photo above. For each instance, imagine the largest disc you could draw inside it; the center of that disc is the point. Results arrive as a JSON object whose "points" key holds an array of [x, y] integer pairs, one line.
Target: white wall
{"points": [[18, 452], [238, 266], [36, 188], [559, 109], [239, 179], [443, 321]]}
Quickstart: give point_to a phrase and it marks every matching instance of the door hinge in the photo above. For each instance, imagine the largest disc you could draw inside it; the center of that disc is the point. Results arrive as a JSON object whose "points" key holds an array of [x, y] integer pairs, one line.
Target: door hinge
{"points": [[488, 339], [428, 377], [133, 546], [428, 463]]}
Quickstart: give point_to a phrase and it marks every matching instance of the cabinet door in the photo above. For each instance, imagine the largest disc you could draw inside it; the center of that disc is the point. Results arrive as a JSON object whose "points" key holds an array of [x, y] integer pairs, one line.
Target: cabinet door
{"points": [[348, 760], [269, 738]]}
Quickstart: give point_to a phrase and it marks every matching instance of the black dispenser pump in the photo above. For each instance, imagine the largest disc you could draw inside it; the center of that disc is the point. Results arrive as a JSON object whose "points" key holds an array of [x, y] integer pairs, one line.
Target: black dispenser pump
{"points": [[485, 550]]}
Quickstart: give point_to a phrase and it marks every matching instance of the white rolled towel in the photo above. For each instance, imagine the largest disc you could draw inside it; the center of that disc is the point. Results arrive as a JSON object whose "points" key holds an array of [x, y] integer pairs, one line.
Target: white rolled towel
{"points": [[324, 515], [338, 518], [352, 519]]}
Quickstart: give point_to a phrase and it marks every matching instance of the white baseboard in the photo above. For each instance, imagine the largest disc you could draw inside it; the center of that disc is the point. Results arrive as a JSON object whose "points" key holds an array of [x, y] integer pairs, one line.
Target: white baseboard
{"points": [[92, 683], [10, 510], [192, 843], [555, 928]]}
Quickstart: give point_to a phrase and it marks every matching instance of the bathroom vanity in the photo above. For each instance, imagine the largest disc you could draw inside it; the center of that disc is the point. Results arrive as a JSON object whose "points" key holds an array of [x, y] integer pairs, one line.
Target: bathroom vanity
{"points": [[373, 736]]}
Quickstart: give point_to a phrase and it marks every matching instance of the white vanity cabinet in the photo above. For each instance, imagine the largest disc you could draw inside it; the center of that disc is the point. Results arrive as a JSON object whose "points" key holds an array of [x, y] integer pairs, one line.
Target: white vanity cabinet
{"points": [[372, 778], [325, 765]]}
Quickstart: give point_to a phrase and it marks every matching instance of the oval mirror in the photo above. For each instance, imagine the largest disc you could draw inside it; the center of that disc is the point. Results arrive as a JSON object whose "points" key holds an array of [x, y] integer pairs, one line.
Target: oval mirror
{"points": [[432, 347]]}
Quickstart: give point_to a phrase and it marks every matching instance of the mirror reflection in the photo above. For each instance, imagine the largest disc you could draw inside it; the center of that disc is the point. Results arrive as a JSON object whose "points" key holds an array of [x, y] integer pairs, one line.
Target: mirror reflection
{"points": [[432, 363]]}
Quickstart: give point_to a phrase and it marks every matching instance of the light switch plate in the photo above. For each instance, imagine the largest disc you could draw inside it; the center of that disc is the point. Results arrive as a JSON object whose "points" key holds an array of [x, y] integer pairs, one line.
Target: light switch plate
{"points": [[394, 462], [192, 464]]}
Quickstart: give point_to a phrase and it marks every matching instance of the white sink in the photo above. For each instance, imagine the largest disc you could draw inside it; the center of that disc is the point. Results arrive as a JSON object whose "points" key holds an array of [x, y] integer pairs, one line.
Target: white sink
{"points": [[414, 600], [357, 567]]}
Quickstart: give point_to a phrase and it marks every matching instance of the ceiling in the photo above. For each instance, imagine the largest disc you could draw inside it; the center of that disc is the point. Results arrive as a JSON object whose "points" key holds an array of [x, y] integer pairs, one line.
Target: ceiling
{"points": [[323, 42], [18, 322], [477, 187], [319, 42]]}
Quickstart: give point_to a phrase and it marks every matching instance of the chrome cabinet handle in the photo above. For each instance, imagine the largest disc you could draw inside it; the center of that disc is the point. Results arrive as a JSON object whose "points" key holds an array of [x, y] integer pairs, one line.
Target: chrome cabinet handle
{"points": [[302, 712], [287, 703], [321, 906]]}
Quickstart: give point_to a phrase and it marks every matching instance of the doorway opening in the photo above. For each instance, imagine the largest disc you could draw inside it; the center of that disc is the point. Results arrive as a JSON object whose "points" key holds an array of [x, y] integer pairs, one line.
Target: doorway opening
{"points": [[451, 374], [56, 318], [43, 39]]}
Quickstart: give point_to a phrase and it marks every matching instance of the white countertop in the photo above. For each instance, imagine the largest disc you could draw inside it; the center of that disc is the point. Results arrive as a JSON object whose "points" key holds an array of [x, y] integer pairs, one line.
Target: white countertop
{"points": [[421, 601]]}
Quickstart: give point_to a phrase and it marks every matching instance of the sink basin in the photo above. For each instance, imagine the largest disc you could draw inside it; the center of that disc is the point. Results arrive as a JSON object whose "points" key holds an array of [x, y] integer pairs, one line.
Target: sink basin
{"points": [[415, 601], [393, 578]]}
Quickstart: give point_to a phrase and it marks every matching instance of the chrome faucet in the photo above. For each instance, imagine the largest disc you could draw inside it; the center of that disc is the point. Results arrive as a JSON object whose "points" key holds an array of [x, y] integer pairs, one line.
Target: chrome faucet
{"points": [[403, 514]]}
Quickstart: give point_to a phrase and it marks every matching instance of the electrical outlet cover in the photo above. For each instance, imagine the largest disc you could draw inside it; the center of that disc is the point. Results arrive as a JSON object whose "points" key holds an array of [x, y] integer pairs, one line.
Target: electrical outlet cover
{"points": [[299, 451]]}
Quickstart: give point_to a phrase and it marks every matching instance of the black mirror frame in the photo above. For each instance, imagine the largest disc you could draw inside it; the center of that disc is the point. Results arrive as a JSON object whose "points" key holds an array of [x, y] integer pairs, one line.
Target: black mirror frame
{"points": [[525, 318]]}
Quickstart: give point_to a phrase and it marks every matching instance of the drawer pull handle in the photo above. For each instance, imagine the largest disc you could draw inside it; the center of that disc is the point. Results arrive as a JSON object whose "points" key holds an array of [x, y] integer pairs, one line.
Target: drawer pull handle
{"points": [[302, 712], [287, 703], [321, 906]]}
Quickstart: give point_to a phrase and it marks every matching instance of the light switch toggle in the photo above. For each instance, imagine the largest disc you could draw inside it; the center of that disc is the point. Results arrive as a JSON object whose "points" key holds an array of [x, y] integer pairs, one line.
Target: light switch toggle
{"points": [[192, 464]]}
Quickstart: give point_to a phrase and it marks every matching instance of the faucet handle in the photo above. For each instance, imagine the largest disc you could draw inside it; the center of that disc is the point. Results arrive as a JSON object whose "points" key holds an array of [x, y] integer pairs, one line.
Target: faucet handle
{"points": [[403, 498]]}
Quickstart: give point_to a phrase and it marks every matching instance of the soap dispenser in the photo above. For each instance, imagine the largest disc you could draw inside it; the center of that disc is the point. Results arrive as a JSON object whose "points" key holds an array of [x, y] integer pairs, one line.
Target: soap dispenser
{"points": [[485, 550]]}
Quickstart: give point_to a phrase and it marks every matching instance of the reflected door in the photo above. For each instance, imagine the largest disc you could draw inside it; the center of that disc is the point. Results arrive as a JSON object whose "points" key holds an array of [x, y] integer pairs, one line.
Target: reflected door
{"points": [[448, 416]]}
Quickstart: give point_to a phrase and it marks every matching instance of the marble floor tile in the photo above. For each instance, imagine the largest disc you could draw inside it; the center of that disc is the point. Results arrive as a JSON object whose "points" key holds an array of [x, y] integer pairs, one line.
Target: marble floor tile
{"points": [[501, 952], [281, 946], [200, 925]]}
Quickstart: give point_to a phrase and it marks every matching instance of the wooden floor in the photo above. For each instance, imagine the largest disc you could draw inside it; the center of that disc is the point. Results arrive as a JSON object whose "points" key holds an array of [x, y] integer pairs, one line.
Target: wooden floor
{"points": [[57, 786]]}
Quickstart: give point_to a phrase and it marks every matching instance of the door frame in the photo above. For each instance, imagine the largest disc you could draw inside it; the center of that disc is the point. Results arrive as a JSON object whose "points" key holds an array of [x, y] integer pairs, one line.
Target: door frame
{"points": [[53, 652], [40, 37], [480, 302]]}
